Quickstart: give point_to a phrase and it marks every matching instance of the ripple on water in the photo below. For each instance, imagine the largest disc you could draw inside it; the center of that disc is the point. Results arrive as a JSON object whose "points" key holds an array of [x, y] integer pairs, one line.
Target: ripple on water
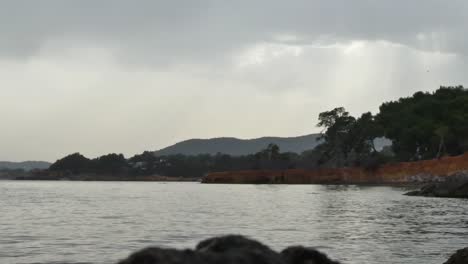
{"points": [[92, 222]]}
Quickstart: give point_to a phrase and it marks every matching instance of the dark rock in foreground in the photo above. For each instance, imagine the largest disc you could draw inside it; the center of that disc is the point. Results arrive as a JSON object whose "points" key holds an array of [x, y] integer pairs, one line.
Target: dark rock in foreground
{"points": [[454, 186], [461, 257], [302, 255], [228, 250]]}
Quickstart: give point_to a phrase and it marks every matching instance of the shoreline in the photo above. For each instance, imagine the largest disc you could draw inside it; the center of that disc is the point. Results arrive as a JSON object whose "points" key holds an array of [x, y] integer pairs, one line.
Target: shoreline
{"points": [[403, 173], [199, 180], [107, 178]]}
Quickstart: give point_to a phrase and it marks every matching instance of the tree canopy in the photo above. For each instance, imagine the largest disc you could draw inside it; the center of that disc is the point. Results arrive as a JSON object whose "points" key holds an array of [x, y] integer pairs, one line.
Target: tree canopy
{"points": [[427, 125], [423, 126]]}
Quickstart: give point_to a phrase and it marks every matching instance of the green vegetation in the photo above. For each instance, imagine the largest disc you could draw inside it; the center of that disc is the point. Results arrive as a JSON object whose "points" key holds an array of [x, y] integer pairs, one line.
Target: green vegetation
{"points": [[147, 163], [423, 126], [427, 125], [349, 141]]}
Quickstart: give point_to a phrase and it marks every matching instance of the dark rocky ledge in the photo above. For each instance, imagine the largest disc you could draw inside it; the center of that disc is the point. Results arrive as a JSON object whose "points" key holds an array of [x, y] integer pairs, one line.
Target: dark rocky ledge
{"points": [[454, 186]]}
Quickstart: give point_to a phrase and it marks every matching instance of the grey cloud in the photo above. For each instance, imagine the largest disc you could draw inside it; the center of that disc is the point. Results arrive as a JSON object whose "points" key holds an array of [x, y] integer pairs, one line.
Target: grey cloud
{"points": [[165, 31], [69, 83]]}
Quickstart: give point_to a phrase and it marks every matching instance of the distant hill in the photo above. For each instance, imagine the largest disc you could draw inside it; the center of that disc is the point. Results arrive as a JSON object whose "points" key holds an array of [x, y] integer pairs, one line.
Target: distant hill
{"points": [[26, 165], [238, 147]]}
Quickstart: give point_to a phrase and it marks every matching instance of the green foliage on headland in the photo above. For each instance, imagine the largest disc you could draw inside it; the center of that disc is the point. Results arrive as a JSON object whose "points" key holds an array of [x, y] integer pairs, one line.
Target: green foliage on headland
{"points": [[427, 125], [423, 126], [147, 164]]}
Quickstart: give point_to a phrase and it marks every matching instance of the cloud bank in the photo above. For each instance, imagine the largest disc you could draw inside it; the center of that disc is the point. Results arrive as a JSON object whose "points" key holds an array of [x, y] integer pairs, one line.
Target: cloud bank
{"points": [[121, 76]]}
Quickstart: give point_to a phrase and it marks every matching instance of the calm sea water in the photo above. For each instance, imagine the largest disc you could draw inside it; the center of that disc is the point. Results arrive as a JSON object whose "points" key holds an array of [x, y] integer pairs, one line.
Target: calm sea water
{"points": [[102, 222]]}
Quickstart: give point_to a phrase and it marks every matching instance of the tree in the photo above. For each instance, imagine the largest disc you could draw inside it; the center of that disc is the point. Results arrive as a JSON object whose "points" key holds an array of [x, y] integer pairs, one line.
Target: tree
{"points": [[74, 163], [337, 124], [111, 163], [442, 133]]}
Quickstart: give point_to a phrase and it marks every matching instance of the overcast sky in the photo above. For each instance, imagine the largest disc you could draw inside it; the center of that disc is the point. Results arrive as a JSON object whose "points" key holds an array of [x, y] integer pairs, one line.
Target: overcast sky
{"points": [[126, 76]]}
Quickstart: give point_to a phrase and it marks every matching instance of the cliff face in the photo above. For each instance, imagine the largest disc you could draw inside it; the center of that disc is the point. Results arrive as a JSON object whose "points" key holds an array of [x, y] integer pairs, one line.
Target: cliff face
{"points": [[405, 172]]}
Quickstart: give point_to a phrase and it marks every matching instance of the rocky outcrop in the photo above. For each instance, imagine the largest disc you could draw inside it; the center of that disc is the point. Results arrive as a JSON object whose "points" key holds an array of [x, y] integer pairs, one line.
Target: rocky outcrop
{"points": [[234, 249], [461, 257], [397, 173], [454, 186], [228, 250]]}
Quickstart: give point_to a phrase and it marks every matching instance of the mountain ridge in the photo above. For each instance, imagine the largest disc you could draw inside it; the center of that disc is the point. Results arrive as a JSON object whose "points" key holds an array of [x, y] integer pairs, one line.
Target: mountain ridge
{"points": [[238, 147]]}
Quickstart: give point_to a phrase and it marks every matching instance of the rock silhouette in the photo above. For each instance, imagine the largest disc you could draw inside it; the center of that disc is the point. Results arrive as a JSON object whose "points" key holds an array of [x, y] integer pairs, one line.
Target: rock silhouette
{"points": [[303, 255], [460, 257], [232, 249]]}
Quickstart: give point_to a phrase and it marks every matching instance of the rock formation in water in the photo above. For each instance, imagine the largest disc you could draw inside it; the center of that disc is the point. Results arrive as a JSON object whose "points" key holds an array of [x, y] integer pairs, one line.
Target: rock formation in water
{"points": [[461, 257], [454, 186], [230, 249]]}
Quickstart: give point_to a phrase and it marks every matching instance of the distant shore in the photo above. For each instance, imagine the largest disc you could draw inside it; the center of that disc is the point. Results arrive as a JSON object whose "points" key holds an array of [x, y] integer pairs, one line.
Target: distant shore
{"points": [[403, 173], [92, 177]]}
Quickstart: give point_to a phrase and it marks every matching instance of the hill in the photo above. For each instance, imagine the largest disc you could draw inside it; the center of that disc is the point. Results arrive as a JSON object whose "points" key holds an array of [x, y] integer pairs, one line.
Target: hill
{"points": [[26, 165], [238, 147]]}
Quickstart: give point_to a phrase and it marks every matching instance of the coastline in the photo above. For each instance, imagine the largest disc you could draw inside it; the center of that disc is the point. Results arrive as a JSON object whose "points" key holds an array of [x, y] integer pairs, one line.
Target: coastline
{"points": [[93, 177], [403, 173], [395, 174]]}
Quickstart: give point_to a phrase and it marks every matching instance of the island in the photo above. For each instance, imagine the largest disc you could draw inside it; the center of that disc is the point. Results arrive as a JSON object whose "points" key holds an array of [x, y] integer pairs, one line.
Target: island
{"points": [[417, 139]]}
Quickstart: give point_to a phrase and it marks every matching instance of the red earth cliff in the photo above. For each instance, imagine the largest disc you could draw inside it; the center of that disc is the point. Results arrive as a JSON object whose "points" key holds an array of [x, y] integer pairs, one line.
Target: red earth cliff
{"points": [[398, 173]]}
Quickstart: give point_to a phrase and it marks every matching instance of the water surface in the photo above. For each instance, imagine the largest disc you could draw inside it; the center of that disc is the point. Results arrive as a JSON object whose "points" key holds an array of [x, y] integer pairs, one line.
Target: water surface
{"points": [[102, 222]]}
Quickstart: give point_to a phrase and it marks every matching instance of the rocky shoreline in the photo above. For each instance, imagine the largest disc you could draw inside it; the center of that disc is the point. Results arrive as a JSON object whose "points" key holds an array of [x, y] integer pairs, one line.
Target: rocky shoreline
{"points": [[453, 186], [234, 249], [418, 172]]}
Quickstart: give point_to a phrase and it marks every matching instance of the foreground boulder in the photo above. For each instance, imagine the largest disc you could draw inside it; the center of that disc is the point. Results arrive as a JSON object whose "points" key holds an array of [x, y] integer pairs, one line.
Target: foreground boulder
{"points": [[228, 250], [302, 255], [454, 186], [461, 257], [234, 249]]}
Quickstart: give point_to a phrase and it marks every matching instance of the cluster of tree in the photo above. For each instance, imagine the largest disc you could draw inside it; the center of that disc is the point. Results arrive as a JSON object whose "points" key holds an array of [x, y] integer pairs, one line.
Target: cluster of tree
{"points": [[423, 126], [79, 164], [148, 163], [427, 125]]}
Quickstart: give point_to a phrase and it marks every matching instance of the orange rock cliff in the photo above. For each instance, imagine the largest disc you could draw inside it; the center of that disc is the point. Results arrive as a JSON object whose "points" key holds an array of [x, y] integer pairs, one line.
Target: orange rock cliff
{"points": [[397, 173]]}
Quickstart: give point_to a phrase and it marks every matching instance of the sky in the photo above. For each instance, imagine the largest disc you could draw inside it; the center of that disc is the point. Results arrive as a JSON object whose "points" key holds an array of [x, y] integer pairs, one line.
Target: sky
{"points": [[114, 76]]}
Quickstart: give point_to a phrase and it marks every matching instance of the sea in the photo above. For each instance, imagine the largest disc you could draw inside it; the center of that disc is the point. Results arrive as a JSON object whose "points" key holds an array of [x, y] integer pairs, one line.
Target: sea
{"points": [[103, 222]]}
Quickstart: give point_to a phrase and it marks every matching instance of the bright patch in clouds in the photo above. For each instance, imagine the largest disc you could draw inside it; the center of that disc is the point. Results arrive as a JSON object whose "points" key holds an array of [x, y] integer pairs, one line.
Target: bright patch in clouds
{"points": [[264, 53]]}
